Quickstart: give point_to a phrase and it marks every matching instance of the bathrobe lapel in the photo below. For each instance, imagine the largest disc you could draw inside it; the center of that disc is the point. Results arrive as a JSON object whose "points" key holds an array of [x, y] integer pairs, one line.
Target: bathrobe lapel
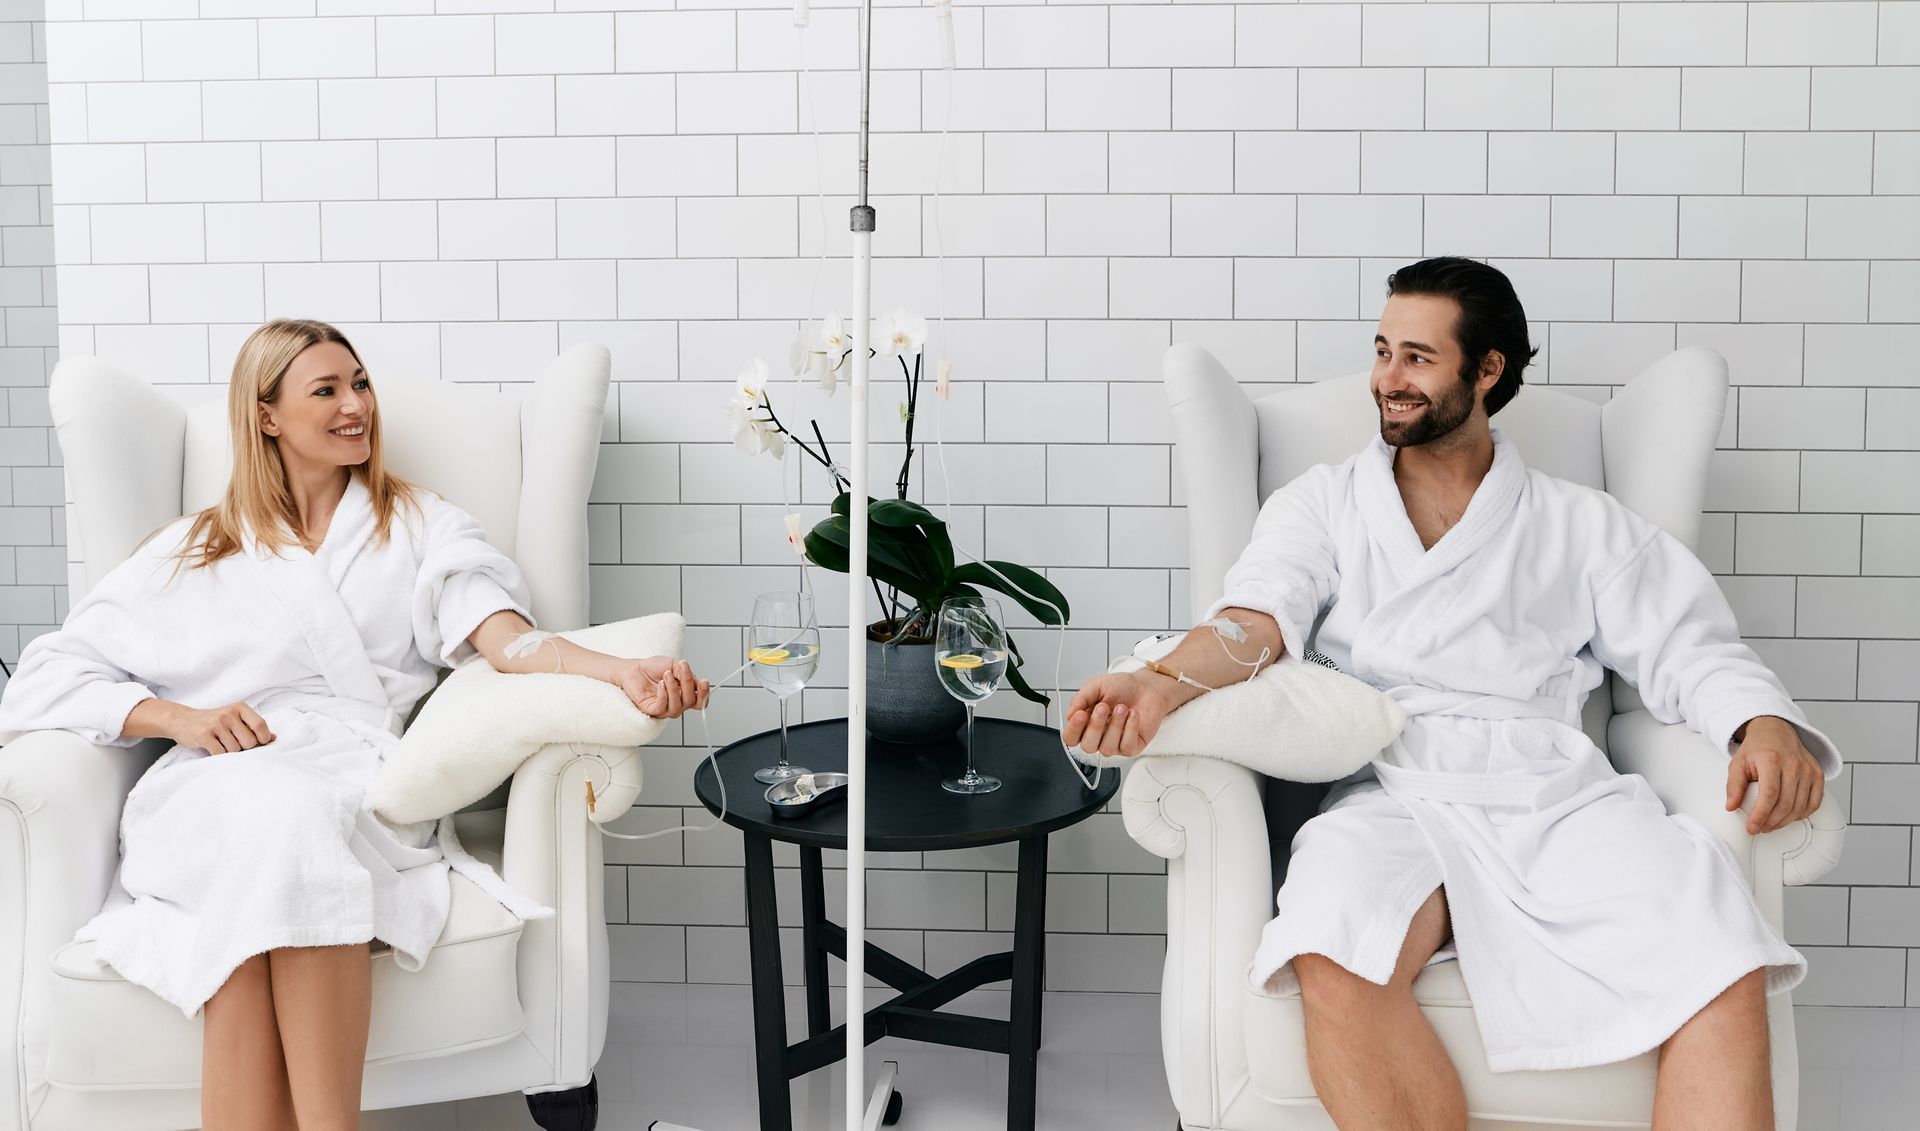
{"points": [[1409, 593], [1392, 531], [308, 587]]}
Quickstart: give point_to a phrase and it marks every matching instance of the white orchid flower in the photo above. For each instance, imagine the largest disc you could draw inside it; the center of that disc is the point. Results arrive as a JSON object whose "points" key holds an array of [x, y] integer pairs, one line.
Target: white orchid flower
{"points": [[835, 340], [745, 431], [902, 332], [751, 434], [816, 357], [751, 384]]}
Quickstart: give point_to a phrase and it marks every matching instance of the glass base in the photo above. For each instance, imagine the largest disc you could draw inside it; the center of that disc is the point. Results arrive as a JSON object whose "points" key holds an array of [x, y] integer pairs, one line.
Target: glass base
{"points": [[971, 782], [779, 773]]}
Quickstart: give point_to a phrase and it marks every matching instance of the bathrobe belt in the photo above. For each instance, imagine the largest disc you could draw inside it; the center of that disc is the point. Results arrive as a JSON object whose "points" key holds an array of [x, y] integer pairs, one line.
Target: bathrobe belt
{"points": [[1523, 790], [378, 716]]}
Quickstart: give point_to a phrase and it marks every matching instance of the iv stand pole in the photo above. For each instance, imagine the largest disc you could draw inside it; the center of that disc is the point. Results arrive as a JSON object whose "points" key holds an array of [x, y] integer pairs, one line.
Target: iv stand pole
{"points": [[861, 222]]}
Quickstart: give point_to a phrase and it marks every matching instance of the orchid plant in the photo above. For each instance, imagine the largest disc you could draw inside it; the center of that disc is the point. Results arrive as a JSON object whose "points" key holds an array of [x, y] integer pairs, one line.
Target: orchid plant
{"points": [[909, 549]]}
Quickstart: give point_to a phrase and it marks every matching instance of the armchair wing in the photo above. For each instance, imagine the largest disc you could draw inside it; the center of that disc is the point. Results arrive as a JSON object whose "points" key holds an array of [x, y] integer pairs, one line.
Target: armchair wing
{"points": [[1219, 452]]}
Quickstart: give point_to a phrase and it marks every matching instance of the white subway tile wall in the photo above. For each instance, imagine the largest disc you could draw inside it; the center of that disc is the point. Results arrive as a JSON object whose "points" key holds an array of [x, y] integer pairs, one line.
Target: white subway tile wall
{"points": [[469, 192]]}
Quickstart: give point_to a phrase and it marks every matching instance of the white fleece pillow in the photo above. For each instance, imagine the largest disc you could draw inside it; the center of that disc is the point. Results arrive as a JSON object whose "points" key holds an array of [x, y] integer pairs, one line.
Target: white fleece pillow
{"points": [[474, 732], [1296, 721]]}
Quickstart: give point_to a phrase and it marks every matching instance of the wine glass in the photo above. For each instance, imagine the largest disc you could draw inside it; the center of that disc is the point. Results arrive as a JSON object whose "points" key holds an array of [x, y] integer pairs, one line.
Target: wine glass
{"points": [[970, 656], [783, 644]]}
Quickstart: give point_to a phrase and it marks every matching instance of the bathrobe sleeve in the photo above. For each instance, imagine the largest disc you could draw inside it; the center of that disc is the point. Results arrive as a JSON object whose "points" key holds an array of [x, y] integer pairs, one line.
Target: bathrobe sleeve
{"points": [[1288, 569], [82, 676], [463, 581], [1661, 621]]}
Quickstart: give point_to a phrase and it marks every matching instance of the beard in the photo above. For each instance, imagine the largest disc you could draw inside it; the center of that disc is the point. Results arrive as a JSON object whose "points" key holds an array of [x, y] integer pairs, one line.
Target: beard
{"points": [[1436, 421]]}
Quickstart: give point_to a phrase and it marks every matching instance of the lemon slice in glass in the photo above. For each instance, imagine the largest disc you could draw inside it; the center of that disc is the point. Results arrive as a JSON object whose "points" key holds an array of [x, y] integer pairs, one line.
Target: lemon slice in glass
{"points": [[768, 655], [963, 660]]}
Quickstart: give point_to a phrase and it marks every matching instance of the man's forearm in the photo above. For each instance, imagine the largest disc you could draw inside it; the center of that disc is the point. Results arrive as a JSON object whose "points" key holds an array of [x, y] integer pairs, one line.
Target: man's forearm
{"points": [[1763, 722], [1216, 661]]}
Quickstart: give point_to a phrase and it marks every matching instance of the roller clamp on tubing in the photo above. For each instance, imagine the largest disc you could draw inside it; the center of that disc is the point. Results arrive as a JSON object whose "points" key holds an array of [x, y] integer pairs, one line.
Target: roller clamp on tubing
{"points": [[1177, 676]]}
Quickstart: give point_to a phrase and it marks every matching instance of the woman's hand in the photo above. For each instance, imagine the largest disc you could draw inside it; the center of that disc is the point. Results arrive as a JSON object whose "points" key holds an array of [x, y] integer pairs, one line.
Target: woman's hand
{"points": [[220, 730], [661, 686]]}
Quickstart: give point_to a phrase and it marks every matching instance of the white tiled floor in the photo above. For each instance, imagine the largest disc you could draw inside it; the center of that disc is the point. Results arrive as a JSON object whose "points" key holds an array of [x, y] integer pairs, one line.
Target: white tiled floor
{"points": [[684, 1053]]}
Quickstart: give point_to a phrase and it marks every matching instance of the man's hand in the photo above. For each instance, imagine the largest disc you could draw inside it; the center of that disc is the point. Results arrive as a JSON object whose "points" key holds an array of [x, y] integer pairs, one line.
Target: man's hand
{"points": [[1119, 713], [661, 686], [220, 730], [1790, 778]]}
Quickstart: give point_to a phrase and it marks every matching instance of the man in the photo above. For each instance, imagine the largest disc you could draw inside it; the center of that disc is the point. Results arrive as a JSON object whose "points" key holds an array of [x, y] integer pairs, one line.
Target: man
{"points": [[1590, 925]]}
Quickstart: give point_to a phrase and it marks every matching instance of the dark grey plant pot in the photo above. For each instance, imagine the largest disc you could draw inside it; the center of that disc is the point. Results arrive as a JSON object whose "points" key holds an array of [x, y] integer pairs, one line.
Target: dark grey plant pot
{"points": [[905, 702]]}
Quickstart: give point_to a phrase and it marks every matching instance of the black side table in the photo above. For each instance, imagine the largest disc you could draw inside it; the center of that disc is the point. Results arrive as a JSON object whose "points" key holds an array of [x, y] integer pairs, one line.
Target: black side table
{"points": [[907, 811]]}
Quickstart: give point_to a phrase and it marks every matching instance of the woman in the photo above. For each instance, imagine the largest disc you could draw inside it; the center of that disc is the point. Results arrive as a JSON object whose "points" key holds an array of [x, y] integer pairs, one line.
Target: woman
{"points": [[279, 639]]}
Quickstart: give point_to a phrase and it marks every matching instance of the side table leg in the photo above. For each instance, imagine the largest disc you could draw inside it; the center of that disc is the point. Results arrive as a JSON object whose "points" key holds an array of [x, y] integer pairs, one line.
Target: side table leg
{"points": [[769, 998], [813, 913], [1029, 979]]}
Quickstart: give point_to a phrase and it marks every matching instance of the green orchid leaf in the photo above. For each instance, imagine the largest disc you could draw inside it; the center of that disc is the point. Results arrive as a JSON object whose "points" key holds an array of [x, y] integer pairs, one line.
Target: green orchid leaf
{"points": [[942, 545], [1020, 687], [1035, 594], [885, 562], [901, 512], [827, 554]]}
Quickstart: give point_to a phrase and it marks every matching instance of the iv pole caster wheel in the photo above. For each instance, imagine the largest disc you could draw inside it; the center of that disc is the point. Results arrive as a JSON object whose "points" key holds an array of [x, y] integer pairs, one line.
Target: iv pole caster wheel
{"points": [[894, 1103], [577, 1109]]}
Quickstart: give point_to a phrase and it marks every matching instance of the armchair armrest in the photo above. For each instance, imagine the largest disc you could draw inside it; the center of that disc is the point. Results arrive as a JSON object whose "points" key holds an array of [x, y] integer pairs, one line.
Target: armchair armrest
{"points": [[60, 802], [1204, 816], [1690, 777], [547, 803], [551, 852]]}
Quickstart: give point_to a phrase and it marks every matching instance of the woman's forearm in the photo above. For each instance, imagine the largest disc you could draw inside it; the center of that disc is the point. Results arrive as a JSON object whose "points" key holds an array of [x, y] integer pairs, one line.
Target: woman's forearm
{"points": [[497, 634], [151, 718]]}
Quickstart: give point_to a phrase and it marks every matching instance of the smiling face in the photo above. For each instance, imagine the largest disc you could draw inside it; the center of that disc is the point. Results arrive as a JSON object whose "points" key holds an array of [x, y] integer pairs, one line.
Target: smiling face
{"points": [[323, 414], [1418, 368]]}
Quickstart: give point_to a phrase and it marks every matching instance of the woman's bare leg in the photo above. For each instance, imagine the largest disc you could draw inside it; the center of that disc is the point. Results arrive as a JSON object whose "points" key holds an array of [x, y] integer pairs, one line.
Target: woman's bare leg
{"points": [[323, 998], [1716, 1072], [243, 1072]]}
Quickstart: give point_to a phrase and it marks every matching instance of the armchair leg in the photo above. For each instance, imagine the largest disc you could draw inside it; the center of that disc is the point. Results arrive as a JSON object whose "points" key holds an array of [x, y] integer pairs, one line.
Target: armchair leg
{"points": [[577, 1109]]}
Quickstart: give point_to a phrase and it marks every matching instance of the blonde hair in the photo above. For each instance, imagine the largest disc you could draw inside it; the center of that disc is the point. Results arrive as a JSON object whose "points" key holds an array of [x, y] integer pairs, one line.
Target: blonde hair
{"points": [[258, 501]]}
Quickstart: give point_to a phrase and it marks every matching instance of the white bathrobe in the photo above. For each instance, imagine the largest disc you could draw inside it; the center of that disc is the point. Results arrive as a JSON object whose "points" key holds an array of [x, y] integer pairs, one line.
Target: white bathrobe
{"points": [[1589, 924], [224, 857]]}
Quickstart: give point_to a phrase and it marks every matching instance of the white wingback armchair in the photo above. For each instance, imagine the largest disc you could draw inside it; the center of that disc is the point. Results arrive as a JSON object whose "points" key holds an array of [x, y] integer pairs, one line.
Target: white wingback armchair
{"points": [[500, 1005], [1236, 1059]]}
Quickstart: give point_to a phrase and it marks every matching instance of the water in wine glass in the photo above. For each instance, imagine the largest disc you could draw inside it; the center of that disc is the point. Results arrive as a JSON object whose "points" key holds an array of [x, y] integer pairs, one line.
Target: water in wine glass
{"points": [[970, 656], [783, 645], [970, 676], [784, 671]]}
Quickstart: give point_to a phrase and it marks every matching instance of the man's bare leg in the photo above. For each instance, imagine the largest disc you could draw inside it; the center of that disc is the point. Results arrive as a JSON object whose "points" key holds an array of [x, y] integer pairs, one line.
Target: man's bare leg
{"points": [[1716, 1072], [1374, 1059], [243, 1073], [323, 1000]]}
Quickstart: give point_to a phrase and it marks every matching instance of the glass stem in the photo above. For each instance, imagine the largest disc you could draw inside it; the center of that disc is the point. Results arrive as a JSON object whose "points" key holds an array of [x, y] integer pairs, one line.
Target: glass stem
{"points": [[970, 774], [783, 732]]}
